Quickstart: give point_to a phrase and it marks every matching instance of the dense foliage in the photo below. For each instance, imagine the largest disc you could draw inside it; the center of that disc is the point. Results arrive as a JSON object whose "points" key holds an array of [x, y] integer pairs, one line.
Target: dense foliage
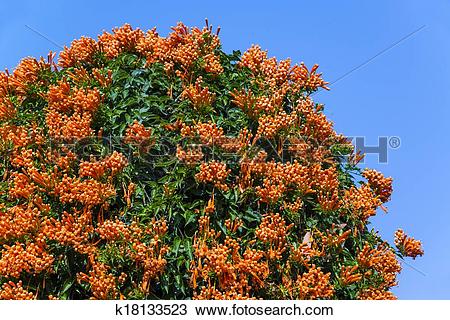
{"points": [[141, 166]]}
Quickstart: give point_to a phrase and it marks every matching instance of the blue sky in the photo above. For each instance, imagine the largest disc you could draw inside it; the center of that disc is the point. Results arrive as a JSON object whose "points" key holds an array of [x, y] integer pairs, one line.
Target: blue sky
{"points": [[403, 92]]}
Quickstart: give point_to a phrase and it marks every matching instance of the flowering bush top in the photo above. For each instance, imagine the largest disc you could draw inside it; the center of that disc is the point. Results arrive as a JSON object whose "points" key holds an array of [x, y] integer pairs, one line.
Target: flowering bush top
{"points": [[140, 166]]}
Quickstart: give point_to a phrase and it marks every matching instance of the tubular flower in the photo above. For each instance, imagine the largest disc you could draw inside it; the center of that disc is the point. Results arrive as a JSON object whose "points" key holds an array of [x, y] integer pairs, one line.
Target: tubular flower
{"points": [[7, 109], [19, 258], [235, 272], [361, 202], [80, 51], [113, 164], [407, 245], [29, 71], [15, 291], [208, 133], [350, 275], [192, 156], [273, 231], [313, 284], [138, 134], [214, 172], [103, 284], [88, 192], [72, 230], [19, 220], [200, 96], [382, 186], [376, 294], [122, 39], [246, 100], [269, 126], [113, 230], [279, 178], [383, 261]]}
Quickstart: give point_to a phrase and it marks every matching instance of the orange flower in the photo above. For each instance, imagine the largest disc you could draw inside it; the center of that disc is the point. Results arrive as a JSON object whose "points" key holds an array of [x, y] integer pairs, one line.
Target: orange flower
{"points": [[137, 134], [192, 156], [269, 126], [80, 51], [112, 230], [313, 284], [198, 95], [7, 109], [15, 291], [56, 200], [89, 192], [122, 39], [408, 246], [383, 260], [214, 172], [380, 185], [349, 275], [103, 284], [28, 71], [376, 294], [361, 202], [273, 231], [235, 272], [71, 230], [18, 221], [30, 258]]}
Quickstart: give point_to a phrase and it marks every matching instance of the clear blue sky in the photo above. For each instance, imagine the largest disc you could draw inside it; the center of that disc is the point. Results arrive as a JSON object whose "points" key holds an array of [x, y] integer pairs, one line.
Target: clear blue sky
{"points": [[403, 92]]}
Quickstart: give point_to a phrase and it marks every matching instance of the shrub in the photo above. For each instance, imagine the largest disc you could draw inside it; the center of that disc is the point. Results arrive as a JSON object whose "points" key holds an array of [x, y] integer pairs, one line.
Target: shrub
{"points": [[139, 166]]}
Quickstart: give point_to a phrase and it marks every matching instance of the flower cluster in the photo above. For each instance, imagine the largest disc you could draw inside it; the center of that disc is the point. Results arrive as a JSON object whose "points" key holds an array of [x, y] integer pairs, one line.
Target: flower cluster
{"points": [[214, 172], [208, 133], [316, 126], [17, 221], [373, 293], [273, 231], [383, 261], [236, 273], [70, 111], [407, 245], [179, 51], [279, 178], [29, 72], [87, 192], [247, 101], [281, 73], [15, 291], [269, 126], [103, 284], [380, 185], [138, 134], [313, 284], [306, 251], [81, 51], [31, 258], [113, 230], [200, 96], [72, 230], [349, 275], [191, 156], [361, 202], [7, 109], [114, 164]]}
